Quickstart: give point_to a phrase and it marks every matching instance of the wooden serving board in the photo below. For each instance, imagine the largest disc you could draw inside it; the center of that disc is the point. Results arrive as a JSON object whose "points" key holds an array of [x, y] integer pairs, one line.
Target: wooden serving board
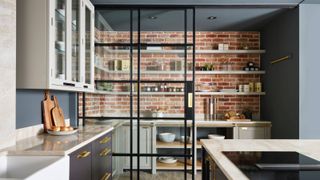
{"points": [[57, 114], [47, 106]]}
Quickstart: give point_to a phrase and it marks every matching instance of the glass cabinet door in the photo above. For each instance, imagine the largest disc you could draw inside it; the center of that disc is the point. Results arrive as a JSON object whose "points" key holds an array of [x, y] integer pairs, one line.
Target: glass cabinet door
{"points": [[89, 50], [75, 26], [60, 39]]}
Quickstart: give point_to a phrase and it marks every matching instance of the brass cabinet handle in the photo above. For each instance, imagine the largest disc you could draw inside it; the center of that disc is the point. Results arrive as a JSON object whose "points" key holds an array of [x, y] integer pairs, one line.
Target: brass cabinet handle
{"points": [[105, 152], [105, 140], [106, 176], [83, 154]]}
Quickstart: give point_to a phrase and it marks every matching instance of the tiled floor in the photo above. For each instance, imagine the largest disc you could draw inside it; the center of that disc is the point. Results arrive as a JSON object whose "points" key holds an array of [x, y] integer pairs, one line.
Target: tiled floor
{"points": [[161, 175]]}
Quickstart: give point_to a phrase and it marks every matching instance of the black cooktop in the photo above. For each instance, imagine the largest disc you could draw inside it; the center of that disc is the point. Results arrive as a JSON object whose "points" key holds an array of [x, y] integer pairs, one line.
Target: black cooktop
{"points": [[275, 165]]}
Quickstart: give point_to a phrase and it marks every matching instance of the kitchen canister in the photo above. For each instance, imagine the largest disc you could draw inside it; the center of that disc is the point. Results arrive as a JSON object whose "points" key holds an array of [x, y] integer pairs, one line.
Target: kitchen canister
{"points": [[258, 87], [251, 87], [246, 88], [241, 88]]}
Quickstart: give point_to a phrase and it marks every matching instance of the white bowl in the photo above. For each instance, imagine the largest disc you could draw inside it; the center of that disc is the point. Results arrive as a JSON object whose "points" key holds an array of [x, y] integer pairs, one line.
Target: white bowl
{"points": [[167, 160], [167, 137], [215, 136]]}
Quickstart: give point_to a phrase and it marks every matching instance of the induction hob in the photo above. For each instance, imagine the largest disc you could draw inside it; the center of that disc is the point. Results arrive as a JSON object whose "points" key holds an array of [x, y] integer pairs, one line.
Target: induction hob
{"points": [[275, 165]]}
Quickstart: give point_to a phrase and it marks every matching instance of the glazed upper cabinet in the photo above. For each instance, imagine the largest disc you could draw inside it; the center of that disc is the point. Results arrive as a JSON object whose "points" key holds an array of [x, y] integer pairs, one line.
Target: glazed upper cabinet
{"points": [[55, 45]]}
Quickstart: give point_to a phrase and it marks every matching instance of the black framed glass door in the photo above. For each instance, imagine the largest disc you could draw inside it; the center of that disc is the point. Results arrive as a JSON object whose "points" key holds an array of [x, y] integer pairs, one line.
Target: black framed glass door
{"points": [[144, 78]]}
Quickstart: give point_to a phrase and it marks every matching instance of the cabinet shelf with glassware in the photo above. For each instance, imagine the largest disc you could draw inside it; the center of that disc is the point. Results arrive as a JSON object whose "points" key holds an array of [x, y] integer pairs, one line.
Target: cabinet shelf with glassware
{"points": [[58, 53]]}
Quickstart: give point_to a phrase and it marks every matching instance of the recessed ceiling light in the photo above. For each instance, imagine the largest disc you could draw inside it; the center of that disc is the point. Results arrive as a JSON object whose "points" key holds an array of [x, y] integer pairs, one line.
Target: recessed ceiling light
{"points": [[212, 18], [152, 17]]}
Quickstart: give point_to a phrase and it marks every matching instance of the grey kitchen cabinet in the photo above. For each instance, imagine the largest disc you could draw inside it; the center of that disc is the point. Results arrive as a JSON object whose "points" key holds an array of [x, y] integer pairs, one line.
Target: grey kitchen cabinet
{"points": [[146, 146], [93, 161], [80, 163], [102, 158], [251, 132], [55, 45]]}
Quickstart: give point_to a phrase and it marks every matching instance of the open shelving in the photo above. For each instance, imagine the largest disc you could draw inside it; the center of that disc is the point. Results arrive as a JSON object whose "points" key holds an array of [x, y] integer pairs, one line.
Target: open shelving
{"points": [[182, 93], [175, 145], [164, 51], [181, 72], [176, 166]]}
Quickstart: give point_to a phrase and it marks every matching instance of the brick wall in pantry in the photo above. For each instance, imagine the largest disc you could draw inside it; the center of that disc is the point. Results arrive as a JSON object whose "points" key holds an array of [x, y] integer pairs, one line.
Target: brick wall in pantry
{"points": [[119, 104]]}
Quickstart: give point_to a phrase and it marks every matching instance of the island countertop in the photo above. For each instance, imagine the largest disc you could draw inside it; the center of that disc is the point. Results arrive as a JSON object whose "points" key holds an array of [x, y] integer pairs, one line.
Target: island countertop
{"points": [[215, 147], [46, 144]]}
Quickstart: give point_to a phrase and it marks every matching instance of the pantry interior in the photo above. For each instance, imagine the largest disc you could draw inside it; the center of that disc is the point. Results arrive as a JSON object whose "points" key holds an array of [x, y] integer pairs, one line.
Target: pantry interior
{"points": [[233, 61]]}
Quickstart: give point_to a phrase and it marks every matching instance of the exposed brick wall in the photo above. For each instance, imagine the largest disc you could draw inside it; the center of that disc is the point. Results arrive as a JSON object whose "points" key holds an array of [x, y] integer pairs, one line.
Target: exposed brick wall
{"points": [[173, 104]]}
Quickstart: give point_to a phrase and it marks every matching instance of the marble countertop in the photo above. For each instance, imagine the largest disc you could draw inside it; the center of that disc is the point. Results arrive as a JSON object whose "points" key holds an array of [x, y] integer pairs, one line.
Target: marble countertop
{"points": [[198, 123], [215, 147], [46, 144]]}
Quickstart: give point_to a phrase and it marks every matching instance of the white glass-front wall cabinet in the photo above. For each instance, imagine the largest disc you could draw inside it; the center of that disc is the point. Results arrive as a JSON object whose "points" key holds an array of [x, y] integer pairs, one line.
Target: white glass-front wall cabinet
{"points": [[55, 45]]}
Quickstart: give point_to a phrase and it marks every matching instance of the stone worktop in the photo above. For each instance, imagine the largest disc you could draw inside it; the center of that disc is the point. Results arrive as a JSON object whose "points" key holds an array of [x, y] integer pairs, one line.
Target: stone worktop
{"points": [[45, 144], [198, 123], [215, 147]]}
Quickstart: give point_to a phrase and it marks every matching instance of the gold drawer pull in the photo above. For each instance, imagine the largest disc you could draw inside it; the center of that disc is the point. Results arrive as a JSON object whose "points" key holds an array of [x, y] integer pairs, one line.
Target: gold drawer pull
{"points": [[106, 176], [83, 154], [105, 140], [105, 152]]}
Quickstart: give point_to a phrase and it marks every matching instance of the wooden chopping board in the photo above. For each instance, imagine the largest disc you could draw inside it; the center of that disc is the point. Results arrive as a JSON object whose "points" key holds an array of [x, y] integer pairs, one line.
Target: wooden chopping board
{"points": [[57, 114], [47, 106]]}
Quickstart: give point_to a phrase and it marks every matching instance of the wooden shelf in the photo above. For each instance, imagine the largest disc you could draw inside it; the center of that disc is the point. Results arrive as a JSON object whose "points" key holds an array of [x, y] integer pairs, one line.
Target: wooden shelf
{"points": [[232, 93], [181, 72], [229, 72], [144, 51], [179, 165], [175, 145], [182, 93], [135, 93]]}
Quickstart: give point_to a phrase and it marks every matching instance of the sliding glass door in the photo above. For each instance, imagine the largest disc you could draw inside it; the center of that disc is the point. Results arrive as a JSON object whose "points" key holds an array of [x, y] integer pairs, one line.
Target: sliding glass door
{"points": [[145, 86]]}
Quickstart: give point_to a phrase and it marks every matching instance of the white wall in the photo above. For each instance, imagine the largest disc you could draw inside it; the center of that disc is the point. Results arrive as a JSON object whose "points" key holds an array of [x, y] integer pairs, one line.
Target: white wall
{"points": [[7, 70], [309, 123]]}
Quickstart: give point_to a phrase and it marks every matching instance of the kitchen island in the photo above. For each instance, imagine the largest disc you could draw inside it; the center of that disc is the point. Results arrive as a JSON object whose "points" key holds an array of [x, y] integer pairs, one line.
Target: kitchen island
{"points": [[222, 168]]}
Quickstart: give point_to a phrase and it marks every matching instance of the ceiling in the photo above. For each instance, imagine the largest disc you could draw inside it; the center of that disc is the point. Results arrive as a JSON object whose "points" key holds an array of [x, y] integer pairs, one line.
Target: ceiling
{"points": [[199, 2], [231, 15], [227, 19]]}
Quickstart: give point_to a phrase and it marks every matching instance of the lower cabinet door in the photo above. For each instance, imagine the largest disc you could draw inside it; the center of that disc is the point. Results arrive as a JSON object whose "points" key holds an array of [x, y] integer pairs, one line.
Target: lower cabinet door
{"points": [[80, 163], [102, 158]]}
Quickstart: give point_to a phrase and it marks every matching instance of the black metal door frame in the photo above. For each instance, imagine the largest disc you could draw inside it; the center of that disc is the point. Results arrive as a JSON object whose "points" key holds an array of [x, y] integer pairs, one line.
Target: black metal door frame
{"points": [[188, 86]]}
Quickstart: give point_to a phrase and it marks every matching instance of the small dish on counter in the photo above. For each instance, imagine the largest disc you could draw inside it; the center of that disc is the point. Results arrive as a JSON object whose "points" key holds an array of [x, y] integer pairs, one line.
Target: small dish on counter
{"points": [[62, 133], [167, 137], [167, 160]]}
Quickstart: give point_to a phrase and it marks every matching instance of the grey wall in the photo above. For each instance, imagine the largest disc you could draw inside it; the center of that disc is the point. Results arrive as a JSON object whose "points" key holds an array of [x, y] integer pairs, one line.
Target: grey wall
{"points": [[280, 38], [8, 71], [309, 71], [29, 106]]}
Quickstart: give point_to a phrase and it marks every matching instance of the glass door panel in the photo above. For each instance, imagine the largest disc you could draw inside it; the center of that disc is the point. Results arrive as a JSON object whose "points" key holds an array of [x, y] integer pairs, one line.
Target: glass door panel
{"points": [[88, 46], [75, 25], [60, 39]]}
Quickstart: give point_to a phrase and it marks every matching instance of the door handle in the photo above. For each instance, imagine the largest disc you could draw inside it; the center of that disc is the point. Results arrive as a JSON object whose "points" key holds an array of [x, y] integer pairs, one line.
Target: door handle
{"points": [[106, 176], [83, 154], [105, 140], [105, 152], [190, 100]]}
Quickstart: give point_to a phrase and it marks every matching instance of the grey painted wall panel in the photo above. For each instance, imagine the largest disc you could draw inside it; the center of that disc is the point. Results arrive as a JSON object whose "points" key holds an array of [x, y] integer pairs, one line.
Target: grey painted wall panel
{"points": [[281, 83], [29, 106], [309, 71]]}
